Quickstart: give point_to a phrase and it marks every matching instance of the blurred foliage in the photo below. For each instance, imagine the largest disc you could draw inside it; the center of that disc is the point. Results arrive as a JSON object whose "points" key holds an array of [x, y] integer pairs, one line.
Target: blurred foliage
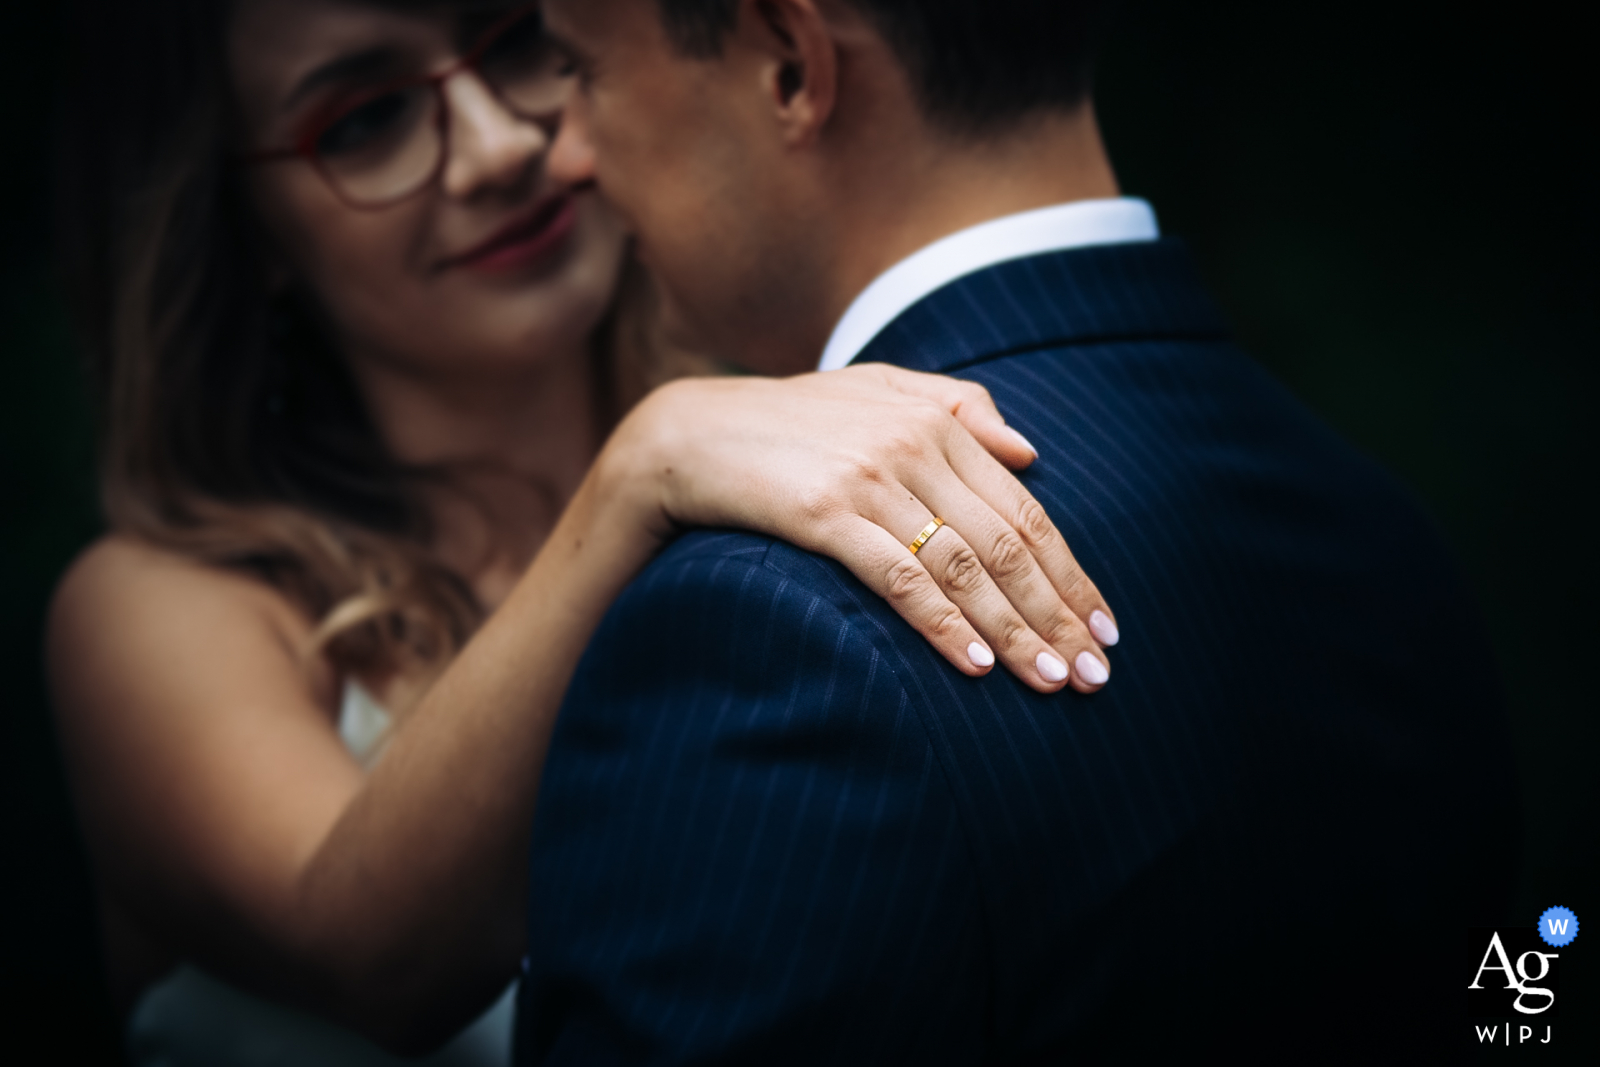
{"points": [[1391, 202]]}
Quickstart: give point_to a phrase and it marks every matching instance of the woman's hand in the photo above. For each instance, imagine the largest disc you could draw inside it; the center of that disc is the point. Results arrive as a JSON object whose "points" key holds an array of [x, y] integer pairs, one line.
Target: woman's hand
{"points": [[853, 464]]}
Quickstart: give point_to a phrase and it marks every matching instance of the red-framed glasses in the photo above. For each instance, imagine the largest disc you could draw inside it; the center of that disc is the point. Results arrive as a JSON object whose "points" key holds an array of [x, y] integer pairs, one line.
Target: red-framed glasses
{"points": [[388, 143]]}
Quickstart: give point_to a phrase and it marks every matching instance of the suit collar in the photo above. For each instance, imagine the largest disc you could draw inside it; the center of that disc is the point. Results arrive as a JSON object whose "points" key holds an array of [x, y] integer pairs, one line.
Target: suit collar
{"points": [[1145, 290], [1075, 224]]}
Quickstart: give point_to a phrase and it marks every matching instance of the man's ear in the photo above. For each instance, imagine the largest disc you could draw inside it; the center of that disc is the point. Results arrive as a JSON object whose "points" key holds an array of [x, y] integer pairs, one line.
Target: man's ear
{"points": [[802, 79]]}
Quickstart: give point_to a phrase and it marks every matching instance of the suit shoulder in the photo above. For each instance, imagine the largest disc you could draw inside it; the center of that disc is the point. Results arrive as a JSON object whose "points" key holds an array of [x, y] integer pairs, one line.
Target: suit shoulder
{"points": [[715, 544], [695, 557], [743, 619]]}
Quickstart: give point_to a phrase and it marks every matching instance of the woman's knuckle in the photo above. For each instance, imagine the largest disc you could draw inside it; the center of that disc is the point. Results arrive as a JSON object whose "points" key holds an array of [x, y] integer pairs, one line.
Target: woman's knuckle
{"points": [[972, 391], [906, 579], [817, 504], [932, 418], [1033, 523], [1010, 558], [948, 624], [1062, 631], [1075, 584], [1012, 635], [963, 571], [866, 470], [895, 439]]}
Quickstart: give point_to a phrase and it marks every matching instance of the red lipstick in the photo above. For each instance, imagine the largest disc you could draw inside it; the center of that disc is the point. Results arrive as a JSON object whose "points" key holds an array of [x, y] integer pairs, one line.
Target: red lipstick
{"points": [[524, 241]]}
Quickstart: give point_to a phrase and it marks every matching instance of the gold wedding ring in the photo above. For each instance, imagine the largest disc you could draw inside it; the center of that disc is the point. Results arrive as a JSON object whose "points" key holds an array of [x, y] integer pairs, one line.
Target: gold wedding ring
{"points": [[922, 538]]}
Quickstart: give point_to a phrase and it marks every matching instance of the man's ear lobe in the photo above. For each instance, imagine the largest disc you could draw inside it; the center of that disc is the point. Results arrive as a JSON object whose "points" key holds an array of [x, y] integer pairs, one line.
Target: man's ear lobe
{"points": [[804, 76]]}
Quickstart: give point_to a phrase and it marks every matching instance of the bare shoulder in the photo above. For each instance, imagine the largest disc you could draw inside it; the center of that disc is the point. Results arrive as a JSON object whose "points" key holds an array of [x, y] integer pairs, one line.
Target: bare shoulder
{"points": [[118, 581], [123, 604], [201, 746], [117, 568]]}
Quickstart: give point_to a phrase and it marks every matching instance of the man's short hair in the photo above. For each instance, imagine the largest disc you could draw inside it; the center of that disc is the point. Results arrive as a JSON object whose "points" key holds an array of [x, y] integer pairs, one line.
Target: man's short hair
{"points": [[975, 64]]}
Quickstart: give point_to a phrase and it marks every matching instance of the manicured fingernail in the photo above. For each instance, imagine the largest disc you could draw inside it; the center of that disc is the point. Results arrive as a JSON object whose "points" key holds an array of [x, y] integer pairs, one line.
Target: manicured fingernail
{"points": [[1051, 669], [1023, 441], [1092, 670], [980, 656], [1104, 630]]}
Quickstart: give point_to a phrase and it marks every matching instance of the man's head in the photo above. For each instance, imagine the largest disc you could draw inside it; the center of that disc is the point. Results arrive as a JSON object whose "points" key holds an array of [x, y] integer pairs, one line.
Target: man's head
{"points": [[975, 64], [773, 156]]}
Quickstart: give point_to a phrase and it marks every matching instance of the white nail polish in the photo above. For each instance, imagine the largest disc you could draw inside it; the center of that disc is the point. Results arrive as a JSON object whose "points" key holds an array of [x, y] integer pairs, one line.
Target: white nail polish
{"points": [[980, 656], [1105, 631], [1051, 669], [1092, 670], [1024, 442]]}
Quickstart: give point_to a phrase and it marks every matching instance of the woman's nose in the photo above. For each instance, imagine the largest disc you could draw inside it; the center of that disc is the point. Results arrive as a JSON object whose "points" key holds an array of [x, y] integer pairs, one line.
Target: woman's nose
{"points": [[490, 147]]}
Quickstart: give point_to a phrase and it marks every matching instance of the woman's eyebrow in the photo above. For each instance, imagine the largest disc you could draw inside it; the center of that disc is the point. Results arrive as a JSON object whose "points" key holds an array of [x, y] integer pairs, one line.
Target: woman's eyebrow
{"points": [[354, 65]]}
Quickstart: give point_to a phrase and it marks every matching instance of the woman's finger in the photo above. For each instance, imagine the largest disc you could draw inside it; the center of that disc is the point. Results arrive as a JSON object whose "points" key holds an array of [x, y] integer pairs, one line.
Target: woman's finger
{"points": [[889, 569], [1010, 601], [963, 577], [971, 405], [1021, 520]]}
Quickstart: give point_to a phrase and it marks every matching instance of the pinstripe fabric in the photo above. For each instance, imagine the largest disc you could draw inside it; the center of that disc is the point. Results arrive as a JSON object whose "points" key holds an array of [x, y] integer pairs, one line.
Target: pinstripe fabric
{"points": [[776, 827]]}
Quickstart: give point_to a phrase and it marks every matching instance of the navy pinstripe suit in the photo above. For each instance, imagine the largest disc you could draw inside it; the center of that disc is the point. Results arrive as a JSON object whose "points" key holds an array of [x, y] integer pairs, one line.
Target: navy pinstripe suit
{"points": [[776, 827]]}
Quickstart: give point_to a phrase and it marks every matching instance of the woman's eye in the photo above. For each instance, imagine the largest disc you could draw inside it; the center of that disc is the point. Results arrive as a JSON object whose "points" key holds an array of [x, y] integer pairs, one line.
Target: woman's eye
{"points": [[359, 127]]}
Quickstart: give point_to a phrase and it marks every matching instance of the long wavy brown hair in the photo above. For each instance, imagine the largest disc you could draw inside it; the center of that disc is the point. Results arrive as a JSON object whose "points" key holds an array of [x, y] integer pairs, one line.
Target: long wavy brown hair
{"points": [[231, 431]]}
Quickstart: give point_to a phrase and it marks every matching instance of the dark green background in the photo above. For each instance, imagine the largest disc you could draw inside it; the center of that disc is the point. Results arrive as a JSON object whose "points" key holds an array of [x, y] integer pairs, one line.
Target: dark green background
{"points": [[1392, 201]]}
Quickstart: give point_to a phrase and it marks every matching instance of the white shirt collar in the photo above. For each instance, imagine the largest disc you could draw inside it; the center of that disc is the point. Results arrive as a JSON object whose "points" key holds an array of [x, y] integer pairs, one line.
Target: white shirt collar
{"points": [[1051, 229]]}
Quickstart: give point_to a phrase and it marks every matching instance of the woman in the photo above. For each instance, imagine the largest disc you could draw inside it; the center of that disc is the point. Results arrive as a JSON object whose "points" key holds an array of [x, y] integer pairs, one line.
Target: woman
{"points": [[374, 473]]}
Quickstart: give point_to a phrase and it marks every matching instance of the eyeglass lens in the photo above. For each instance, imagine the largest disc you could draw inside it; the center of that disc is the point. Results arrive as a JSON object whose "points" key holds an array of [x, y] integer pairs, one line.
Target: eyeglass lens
{"points": [[388, 146]]}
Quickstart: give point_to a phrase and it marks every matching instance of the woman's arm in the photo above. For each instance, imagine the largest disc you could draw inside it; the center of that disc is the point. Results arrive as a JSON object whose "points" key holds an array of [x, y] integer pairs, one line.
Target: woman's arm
{"points": [[226, 818], [224, 813]]}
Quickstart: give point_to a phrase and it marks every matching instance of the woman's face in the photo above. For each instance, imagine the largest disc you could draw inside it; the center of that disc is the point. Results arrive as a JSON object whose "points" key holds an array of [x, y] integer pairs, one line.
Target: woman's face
{"points": [[489, 268]]}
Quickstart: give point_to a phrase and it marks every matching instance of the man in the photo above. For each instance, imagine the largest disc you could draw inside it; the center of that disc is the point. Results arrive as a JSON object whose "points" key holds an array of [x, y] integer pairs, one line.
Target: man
{"points": [[788, 831]]}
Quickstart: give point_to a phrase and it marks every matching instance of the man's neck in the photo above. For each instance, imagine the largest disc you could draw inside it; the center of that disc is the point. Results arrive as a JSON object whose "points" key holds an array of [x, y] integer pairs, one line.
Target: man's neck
{"points": [[943, 187]]}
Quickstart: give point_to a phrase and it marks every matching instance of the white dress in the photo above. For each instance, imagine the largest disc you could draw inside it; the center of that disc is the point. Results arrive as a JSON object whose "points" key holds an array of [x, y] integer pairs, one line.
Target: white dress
{"points": [[190, 1019]]}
